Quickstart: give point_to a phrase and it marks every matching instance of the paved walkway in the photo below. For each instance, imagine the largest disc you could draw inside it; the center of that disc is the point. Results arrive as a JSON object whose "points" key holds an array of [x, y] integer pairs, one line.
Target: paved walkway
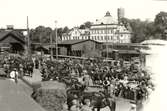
{"points": [[36, 77], [15, 97]]}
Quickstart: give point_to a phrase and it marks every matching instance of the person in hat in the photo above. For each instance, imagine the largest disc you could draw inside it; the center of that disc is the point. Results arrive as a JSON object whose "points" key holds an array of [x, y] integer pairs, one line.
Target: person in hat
{"points": [[75, 106], [86, 106], [106, 84], [14, 75]]}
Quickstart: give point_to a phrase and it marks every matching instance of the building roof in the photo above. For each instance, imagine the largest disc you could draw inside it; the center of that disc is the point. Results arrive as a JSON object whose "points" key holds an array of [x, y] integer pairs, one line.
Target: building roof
{"points": [[154, 42], [17, 35], [123, 51], [123, 44], [71, 42], [80, 31], [107, 19]]}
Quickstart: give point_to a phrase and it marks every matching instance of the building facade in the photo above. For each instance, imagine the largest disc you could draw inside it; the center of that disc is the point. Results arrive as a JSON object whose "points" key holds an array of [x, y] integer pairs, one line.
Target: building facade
{"points": [[81, 48], [103, 30], [12, 41], [109, 30], [76, 34]]}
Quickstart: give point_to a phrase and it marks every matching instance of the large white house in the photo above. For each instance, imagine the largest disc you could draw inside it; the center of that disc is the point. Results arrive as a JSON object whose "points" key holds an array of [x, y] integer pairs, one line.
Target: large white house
{"points": [[107, 29], [103, 30]]}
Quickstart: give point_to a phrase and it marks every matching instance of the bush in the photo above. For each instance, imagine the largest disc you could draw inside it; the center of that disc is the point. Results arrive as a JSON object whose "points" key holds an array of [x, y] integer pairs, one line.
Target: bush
{"points": [[52, 95]]}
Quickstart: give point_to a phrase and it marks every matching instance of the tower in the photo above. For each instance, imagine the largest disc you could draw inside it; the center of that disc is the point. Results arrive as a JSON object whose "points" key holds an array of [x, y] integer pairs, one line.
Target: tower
{"points": [[120, 14]]}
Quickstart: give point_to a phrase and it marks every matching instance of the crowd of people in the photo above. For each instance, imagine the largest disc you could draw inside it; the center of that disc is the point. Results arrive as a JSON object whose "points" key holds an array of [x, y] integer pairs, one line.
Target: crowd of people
{"points": [[117, 78], [16, 66]]}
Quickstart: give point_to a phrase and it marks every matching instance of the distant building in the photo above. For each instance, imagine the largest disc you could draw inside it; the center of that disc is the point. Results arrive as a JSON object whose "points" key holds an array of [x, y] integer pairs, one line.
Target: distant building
{"points": [[103, 30], [109, 30], [81, 48], [76, 34], [12, 41]]}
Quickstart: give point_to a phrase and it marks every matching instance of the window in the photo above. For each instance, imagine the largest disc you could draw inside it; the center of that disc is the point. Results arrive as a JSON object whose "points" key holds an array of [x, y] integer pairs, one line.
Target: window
{"points": [[108, 37], [111, 37], [101, 37], [104, 46], [98, 37], [111, 31]]}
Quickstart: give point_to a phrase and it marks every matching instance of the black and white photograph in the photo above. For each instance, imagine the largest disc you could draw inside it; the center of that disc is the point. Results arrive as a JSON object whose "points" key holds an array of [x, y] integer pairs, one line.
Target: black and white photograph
{"points": [[83, 55]]}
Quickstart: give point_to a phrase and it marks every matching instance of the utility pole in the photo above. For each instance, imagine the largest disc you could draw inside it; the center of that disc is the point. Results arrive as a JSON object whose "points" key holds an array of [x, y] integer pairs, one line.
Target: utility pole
{"points": [[106, 41], [56, 40], [51, 49], [28, 39], [40, 37]]}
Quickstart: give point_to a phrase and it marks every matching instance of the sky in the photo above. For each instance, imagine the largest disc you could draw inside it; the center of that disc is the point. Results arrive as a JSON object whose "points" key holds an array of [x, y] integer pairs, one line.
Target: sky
{"points": [[73, 12]]}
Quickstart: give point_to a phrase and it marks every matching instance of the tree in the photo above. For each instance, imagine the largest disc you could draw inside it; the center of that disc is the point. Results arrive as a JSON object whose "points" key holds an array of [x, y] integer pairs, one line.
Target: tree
{"points": [[88, 24], [85, 25], [60, 32], [40, 34], [82, 26], [160, 23], [141, 30], [65, 29]]}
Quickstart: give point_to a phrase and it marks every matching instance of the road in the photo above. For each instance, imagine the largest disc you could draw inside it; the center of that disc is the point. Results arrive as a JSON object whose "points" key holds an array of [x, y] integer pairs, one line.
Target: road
{"points": [[15, 97]]}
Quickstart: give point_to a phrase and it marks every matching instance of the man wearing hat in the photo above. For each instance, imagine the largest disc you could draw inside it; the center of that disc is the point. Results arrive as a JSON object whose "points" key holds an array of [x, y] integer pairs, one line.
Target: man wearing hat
{"points": [[86, 106], [75, 106]]}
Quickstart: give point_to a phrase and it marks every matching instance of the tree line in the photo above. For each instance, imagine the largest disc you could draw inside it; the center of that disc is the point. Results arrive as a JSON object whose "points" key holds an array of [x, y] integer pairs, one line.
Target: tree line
{"points": [[41, 34], [144, 30], [141, 30]]}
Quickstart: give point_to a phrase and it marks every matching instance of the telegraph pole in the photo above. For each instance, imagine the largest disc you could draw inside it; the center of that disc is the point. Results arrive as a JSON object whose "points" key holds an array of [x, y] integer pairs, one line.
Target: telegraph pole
{"points": [[106, 41], [28, 39], [56, 40], [51, 49]]}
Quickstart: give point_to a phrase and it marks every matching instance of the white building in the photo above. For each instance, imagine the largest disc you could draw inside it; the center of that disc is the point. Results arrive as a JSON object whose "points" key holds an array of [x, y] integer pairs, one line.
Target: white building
{"points": [[76, 34], [106, 29], [109, 30]]}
